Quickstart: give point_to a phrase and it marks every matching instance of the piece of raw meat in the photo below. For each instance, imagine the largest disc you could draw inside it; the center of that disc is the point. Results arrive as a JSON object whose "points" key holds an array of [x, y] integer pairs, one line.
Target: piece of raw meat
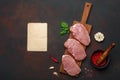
{"points": [[70, 66], [75, 48], [80, 33]]}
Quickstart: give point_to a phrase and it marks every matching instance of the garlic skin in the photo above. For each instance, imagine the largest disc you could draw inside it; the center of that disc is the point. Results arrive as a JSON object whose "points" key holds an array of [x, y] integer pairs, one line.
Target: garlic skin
{"points": [[99, 37]]}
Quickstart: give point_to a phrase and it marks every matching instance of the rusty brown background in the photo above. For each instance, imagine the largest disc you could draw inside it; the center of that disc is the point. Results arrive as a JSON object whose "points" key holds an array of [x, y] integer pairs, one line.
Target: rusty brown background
{"points": [[18, 64]]}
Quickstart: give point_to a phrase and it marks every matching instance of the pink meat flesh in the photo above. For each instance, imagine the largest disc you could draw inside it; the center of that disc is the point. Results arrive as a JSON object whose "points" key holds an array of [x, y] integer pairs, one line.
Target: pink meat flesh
{"points": [[70, 65], [75, 48], [80, 33]]}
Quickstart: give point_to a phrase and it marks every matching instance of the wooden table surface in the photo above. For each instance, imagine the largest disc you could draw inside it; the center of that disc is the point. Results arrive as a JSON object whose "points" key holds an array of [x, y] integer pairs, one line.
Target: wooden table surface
{"points": [[18, 64]]}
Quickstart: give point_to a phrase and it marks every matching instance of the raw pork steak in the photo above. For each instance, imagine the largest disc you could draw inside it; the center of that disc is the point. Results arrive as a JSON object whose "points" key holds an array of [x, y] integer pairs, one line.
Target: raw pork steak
{"points": [[75, 48], [70, 65], [80, 33]]}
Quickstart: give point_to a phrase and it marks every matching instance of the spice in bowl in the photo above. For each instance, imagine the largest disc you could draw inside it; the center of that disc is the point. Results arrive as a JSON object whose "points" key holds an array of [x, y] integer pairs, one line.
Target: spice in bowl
{"points": [[95, 56], [100, 58]]}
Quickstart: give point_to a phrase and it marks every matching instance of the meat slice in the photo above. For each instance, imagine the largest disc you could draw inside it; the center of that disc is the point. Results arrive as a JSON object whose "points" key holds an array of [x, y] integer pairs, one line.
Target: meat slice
{"points": [[70, 65], [75, 48], [80, 33]]}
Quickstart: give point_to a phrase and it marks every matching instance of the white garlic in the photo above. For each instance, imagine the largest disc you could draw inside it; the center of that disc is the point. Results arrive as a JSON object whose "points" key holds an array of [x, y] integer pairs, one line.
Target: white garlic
{"points": [[99, 37], [55, 73], [51, 67]]}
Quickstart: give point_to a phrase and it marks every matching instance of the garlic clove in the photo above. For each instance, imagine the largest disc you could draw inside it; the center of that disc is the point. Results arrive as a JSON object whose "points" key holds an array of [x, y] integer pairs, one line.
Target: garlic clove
{"points": [[55, 73], [51, 67]]}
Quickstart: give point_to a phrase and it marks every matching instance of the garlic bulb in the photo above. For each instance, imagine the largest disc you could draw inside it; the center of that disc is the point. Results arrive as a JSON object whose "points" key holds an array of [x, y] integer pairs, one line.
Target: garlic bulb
{"points": [[99, 37]]}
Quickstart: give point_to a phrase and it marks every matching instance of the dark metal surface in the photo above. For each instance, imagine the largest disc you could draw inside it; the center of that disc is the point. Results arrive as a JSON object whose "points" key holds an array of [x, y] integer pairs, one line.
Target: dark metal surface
{"points": [[18, 64]]}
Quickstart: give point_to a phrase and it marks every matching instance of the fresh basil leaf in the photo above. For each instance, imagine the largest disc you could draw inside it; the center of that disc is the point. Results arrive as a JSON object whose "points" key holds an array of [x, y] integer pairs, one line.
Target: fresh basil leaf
{"points": [[64, 24], [64, 28], [63, 32]]}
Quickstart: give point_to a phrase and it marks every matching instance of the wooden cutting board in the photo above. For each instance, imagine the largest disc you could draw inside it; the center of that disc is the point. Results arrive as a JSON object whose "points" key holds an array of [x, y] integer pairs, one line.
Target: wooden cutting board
{"points": [[88, 27]]}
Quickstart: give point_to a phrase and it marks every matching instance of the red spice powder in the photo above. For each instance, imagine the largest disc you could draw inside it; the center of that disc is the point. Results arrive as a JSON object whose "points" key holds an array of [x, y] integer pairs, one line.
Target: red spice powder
{"points": [[95, 57]]}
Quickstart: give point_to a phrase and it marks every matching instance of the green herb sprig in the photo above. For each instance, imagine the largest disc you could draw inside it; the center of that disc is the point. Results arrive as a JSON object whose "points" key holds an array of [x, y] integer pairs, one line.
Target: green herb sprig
{"points": [[64, 28]]}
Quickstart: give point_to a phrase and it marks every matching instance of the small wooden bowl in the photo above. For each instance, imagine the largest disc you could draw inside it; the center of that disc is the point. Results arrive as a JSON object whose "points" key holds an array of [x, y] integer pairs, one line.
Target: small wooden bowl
{"points": [[95, 56]]}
